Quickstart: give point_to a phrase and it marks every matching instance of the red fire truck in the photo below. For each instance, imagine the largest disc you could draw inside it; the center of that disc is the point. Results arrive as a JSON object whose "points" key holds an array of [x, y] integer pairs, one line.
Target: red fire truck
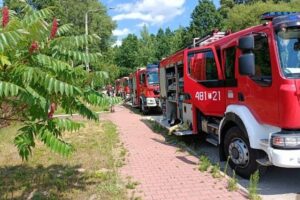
{"points": [[118, 87], [124, 91], [241, 91], [145, 88]]}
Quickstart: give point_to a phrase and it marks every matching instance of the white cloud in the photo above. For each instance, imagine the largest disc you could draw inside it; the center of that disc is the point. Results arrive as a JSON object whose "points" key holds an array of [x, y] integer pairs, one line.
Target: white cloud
{"points": [[133, 15], [117, 43], [150, 11], [142, 24], [121, 32]]}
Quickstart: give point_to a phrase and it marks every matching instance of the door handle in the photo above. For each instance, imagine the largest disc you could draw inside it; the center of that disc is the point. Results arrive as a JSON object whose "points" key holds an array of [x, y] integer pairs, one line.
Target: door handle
{"points": [[241, 96]]}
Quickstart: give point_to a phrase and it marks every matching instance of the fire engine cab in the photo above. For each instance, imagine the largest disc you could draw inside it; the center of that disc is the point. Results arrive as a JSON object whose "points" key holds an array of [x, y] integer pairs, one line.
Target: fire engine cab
{"points": [[144, 86], [118, 87], [241, 91], [125, 91]]}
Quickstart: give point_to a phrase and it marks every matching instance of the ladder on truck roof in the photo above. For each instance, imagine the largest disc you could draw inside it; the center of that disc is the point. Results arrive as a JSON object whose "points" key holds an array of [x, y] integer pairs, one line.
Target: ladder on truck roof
{"points": [[197, 42]]}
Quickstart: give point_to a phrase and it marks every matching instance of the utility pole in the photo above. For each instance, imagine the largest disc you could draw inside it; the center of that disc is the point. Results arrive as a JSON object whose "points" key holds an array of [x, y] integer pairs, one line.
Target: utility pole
{"points": [[87, 65]]}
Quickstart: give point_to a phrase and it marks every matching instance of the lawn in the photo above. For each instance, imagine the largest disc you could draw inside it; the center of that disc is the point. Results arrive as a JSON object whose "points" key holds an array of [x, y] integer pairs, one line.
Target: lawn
{"points": [[89, 173], [103, 108]]}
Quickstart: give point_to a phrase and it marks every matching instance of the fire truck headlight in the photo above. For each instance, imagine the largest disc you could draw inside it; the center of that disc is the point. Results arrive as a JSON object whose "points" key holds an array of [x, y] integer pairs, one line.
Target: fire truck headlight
{"points": [[286, 141]]}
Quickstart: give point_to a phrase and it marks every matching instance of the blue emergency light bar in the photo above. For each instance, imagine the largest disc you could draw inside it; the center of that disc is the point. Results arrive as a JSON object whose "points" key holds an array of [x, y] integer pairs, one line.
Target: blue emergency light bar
{"points": [[271, 15]]}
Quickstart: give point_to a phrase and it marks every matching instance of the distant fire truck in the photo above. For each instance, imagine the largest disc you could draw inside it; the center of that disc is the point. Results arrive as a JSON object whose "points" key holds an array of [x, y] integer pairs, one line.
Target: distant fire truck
{"points": [[144, 87], [118, 87], [125, 90], [241, 91]]}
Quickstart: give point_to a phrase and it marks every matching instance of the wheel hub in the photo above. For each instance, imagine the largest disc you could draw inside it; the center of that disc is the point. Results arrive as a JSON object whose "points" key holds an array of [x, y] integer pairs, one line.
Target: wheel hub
{"points": [[239, 152]]}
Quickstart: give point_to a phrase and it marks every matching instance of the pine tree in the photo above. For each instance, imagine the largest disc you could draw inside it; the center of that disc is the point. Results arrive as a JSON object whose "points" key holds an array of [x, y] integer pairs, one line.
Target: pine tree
{"points": [[205, 18]]}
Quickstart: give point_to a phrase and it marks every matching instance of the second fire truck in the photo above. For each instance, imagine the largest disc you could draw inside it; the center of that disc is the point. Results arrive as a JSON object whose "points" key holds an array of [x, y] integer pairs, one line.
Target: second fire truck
{"points": [[144, 85]]}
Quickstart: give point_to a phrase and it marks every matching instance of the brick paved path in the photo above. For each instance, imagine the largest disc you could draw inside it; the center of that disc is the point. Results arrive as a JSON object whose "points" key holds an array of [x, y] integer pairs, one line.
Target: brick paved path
{"points": [[162, 171]]}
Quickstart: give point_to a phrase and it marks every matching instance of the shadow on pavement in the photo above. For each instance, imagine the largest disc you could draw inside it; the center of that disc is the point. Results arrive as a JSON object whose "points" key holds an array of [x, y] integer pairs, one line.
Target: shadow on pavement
{"points": [[184, 159]]}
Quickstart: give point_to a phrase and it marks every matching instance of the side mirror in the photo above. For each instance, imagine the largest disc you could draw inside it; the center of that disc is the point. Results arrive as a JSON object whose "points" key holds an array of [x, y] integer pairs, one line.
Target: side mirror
{"points": [[246, 43], [247, 64], [143, 79]]}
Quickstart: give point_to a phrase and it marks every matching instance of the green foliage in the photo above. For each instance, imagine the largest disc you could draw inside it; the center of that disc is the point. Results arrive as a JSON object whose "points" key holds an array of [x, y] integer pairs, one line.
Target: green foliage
{"points": [[10, 39], [205, 18], [226, 6], [232, 183], [226, 165], [71, 13], [178, 40], [99, 22], [163, 43], [146, 49], [127, 54], [254, 179], [204, 163], [8, 89], [215, 171], [38, 74], [131, 184], [246, 15]]}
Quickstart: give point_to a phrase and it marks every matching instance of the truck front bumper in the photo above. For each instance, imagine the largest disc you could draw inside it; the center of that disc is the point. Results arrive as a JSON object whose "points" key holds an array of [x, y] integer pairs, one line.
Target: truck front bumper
{"points": [[283, 149], [152, 102], [285, 158]]}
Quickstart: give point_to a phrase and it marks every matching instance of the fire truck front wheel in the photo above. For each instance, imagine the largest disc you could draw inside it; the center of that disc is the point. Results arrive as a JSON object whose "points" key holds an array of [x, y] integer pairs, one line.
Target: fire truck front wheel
{"points": [[242, 158]]}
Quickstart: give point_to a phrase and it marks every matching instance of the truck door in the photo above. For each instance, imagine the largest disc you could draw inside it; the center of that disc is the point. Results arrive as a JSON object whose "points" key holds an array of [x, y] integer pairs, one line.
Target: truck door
{"points": [[134, 87], [229, 63], [142, 85], [259, 92], [205, 82]]}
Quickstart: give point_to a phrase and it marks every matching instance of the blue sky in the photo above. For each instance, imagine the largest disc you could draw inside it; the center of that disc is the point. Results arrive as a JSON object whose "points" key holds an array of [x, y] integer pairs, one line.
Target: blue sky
{"points": [[131, 15]]}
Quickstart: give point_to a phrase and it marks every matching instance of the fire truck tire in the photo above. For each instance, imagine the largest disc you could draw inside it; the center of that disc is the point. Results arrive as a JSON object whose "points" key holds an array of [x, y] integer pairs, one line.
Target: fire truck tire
{"points": [[242, 156], [140, 107], [144, 110]]}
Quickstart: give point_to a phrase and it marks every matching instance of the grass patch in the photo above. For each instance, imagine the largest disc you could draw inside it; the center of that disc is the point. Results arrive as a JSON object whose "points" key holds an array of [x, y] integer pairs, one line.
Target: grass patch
{"points": [[156, 127], [204, 163], [254, 179], [215, 171], [232, 183], [131, 185], [60, 110], [89, 173]]}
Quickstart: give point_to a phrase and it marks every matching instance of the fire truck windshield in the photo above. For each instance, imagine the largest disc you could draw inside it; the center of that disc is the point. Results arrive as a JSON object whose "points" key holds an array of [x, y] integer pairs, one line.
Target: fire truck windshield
{"points": [[152, 77], [288, 42]]}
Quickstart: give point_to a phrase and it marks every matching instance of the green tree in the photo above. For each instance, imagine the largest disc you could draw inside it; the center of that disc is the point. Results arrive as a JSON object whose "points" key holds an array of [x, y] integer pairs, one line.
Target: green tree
{"points": [[73, 11], [177, 41], [107, 64], [41, 69], [226, 6], [205, 18], [163, 43], [146, 48], [246, 15], [127, 53]]}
